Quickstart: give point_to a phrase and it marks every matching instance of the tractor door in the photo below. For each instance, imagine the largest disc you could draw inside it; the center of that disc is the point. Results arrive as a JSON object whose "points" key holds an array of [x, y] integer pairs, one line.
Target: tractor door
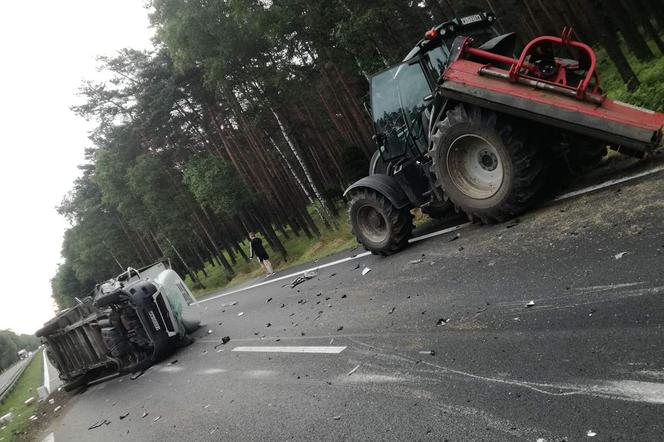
{"points": [[397, 101]]}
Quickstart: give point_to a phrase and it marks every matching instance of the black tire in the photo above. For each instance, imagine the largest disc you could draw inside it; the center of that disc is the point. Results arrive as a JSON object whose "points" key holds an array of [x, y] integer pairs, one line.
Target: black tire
{"points": [[377, 224], [107, 299], [578, 157], [486, 165]]}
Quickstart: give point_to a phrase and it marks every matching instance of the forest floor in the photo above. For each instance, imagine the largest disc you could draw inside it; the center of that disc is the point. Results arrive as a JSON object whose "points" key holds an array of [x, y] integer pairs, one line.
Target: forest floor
{"points": [[26, 387]]}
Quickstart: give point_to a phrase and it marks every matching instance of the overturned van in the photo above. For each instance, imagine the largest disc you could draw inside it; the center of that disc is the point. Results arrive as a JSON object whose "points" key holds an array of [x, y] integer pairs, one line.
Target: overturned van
{"points": [[133, 321]]}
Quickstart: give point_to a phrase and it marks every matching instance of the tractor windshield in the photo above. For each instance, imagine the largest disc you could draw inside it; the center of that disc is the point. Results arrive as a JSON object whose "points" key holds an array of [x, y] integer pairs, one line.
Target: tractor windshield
{"points": [[397, 99]]}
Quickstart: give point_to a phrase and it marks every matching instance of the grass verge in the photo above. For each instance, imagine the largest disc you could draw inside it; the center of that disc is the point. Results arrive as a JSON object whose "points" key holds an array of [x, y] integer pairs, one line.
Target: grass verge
{"points": [[26, 386]]}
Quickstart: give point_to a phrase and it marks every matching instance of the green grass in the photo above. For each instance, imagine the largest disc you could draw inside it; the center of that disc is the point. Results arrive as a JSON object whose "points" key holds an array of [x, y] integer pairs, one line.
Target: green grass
{"points": [[26, 386], [650, 93], [300, 250]]}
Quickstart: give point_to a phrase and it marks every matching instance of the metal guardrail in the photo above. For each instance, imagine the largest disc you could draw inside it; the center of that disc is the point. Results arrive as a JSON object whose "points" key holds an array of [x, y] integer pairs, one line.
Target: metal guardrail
{"points": [[9, 386]]}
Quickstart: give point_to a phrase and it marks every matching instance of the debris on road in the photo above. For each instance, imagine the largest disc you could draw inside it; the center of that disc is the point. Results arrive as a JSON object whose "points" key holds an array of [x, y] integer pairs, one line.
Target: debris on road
{"points": [[619, 255], [416, 261], [99, 424], [58, 408], [591, 433], [224, 341], [209, 332], [234, 303], [297, 281], [428, 352], [137, 375], [174, 361], [365, 271], [343, 296], [269, 324], [441, 322], [241, 314], [332, 275], [341, 327], [391, 310], [455, 237], [353, 370], [145, 413], [336, 418], [122, 416], [268, 300], [514, 223], [310, 274], [282, 306], [530, 304], [156, 419]]}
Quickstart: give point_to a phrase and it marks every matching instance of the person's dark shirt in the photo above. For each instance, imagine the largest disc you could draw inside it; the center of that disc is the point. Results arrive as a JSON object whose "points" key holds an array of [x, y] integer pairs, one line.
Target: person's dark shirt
{"points": [[258, 249]]}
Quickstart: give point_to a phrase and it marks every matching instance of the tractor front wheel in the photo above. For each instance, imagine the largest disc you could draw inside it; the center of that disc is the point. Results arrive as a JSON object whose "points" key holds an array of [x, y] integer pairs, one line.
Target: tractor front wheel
{"points": [[377, 224], [487, 166]]}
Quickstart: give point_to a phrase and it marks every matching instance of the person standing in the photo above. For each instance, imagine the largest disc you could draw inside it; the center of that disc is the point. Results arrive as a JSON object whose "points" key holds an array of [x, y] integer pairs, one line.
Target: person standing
{"points": [[256, 248]]}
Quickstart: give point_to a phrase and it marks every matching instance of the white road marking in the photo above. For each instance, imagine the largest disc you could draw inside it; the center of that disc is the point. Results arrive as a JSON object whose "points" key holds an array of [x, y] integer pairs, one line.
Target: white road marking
{"points": [[47, 376], [294, 349], [608, 184], [434, 234]]}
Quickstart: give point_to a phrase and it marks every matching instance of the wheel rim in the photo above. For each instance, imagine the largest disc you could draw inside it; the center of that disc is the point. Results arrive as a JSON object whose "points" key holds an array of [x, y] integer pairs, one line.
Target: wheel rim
{"points": [[474, 166], [372, 224]]}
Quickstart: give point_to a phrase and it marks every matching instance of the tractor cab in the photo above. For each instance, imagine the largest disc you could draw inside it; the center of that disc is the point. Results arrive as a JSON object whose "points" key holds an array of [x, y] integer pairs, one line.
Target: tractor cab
{"points": [[401, 96]]}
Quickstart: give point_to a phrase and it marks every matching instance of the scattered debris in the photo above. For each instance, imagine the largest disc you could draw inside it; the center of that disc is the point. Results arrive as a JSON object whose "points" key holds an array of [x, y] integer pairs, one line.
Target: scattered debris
{"points": [[137, 375], [530, 304], [353, 370], [297, 281], [122, 416], [428, 352], [145, 413], [174, 361], [391, 310], [156, 419], [241, 314], [332, 275], [58, 408], [365, 271], [591, 433], [357, 266], [592, 310], [269, 324], [336, 418], [455, 237], [416, 261], [234, 303], [341, 327], [461, 249], [620, 255], [51, 401], [514, 223], [282, 305], [343, 296], [99, 424], [224, 341], [209, 332], [6, 418], [331, 341], [33, 418], [441, 322], [268, 300], [29, 400], [310, 274]]}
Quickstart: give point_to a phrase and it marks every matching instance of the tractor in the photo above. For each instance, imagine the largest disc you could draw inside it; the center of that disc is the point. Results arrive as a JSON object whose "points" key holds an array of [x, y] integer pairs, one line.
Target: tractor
{"points": [[464, 124]]}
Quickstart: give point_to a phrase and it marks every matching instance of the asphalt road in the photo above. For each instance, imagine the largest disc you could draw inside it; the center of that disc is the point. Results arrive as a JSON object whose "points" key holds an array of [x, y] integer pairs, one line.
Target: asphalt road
{"points": [[585, 362], [7, 375]]}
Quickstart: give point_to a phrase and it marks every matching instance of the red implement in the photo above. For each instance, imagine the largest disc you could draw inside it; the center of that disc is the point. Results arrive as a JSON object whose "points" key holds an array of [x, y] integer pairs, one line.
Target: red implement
{"points": [[518, 87]]}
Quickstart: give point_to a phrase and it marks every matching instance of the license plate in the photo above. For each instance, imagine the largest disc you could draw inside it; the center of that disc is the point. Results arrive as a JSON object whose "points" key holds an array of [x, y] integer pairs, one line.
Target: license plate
{"points": [[471, 19], [153, 318]]}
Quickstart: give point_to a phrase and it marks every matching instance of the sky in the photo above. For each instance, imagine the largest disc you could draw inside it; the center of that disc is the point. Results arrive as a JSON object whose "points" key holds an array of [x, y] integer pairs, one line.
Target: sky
{"points": [[47, 49]]}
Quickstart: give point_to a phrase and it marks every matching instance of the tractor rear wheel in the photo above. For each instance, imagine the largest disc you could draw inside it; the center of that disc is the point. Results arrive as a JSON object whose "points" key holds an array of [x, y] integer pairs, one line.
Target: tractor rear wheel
{"points": [[486, 166], [377, 224]]}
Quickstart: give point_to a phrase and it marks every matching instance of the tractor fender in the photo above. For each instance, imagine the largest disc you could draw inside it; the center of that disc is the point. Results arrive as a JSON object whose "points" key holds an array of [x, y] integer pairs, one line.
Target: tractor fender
{"points": [[386, 185]]}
